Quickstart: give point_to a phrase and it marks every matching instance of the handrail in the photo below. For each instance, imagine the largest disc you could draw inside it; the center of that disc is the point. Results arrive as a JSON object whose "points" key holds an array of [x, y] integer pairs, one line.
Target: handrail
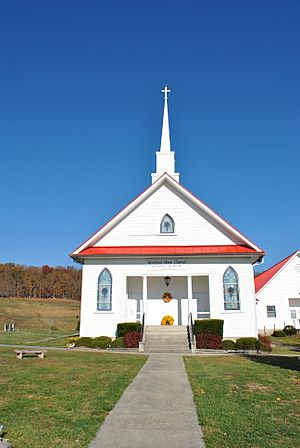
{"points": [[142, 332], [190, 328]]}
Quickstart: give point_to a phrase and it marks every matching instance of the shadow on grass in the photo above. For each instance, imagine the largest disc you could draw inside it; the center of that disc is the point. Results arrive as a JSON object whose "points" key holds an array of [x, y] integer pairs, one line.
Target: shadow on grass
{"points": [[285, 362], [293, 348]]}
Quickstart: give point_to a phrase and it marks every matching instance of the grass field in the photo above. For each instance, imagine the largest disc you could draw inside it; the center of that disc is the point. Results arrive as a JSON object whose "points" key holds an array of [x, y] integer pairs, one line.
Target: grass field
{"points": [[287, 345], [38, 321], [245, 402], [38, 338], [60, 401], [40, 314]]}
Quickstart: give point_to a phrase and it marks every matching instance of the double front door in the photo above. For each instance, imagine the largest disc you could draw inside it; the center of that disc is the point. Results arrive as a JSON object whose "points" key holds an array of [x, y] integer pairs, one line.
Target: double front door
{"points": [[156, 309]]}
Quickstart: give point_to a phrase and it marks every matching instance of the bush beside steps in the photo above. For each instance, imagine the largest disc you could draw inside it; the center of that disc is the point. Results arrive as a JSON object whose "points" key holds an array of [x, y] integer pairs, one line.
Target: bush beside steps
{"points": [[130, 340], [262, 343]]}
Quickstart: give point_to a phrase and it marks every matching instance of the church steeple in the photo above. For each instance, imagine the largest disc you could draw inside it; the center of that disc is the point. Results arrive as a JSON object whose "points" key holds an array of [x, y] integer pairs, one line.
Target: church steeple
{"points": [[165, 145], [165, 158]]}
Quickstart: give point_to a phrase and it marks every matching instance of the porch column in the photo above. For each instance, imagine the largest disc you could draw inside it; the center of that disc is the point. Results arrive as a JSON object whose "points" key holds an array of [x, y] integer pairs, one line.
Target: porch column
{"points": [[145, 293], [190, 293]]}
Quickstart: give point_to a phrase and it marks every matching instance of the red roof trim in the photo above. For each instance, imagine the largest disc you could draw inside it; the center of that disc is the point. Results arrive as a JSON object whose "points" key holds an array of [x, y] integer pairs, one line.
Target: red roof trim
{"points": [[167, 250], [262, 279], [107, 222], [184, 188], [244, 236]]}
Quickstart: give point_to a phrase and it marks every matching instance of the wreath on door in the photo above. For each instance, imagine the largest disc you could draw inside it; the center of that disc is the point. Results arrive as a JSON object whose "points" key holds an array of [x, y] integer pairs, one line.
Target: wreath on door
{"points": [[167, 297]]}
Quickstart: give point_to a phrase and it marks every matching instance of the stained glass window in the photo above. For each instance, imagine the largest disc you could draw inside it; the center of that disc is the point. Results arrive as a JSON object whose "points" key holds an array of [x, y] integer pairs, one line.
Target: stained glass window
{"points": [[231, 290], [104, 291], [167, 225]]}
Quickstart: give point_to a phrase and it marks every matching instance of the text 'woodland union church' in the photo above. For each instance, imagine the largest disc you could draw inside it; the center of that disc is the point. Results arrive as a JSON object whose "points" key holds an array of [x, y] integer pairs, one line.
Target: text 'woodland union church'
{"points": [[167, 253]]}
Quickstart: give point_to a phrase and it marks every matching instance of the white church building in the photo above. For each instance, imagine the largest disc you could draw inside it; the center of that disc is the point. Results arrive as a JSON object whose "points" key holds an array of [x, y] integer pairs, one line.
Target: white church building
{"points": [[167, 253]]}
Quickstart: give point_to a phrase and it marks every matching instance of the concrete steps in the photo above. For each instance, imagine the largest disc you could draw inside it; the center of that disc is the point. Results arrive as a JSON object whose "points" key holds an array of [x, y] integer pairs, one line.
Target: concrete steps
{"points": [[166, 339]]}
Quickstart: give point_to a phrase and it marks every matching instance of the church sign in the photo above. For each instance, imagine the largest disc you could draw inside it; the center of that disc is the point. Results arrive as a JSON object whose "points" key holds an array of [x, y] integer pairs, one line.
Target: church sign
{"points": [[166, 263]]}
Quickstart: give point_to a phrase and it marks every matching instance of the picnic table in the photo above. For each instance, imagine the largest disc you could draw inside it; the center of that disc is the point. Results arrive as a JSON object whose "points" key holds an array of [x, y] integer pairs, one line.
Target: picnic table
{"points": [[22, 353]]}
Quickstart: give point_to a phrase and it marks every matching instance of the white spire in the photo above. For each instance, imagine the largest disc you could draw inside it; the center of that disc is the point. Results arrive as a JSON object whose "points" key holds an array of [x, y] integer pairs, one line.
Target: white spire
{"points": [[165, 145], [165, 158]]}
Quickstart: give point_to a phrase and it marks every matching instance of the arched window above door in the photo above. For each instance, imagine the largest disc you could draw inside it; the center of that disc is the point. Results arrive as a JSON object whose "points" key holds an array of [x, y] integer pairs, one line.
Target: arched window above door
{"points": [[167, 224]]}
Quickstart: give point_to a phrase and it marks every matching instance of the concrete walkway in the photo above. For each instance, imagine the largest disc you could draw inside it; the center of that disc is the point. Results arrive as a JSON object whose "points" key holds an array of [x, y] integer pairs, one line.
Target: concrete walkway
{"points": [[156, 410]]}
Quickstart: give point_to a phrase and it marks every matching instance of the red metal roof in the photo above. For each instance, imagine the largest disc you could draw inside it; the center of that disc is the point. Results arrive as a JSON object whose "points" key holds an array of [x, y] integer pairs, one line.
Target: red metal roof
{"points": [[167, 250], [263, 278]]}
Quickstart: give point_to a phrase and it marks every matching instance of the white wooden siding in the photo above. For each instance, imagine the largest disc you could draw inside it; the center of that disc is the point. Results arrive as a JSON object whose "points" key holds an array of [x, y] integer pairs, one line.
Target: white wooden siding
{"points": [[142, 226], [279, 292], [236, 323]]}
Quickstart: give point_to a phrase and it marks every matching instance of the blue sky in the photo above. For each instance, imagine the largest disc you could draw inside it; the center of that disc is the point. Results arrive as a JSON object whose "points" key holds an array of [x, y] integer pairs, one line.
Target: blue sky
{"points": [[81, 113]]}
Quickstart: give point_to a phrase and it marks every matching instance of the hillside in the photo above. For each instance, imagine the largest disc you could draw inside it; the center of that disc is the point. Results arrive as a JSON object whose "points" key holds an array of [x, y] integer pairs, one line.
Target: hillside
{"points": [[39, 314]]}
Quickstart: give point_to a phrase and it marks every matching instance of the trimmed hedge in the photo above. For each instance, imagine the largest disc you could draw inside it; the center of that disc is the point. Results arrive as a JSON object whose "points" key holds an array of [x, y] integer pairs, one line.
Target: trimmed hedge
{"points": [[209, 326], [289, 330], [247, 344], [85, 342], [211, 341], [102, 342], [132, 339], [279, 334], [228, 345], [128, 327], [118, 343]]}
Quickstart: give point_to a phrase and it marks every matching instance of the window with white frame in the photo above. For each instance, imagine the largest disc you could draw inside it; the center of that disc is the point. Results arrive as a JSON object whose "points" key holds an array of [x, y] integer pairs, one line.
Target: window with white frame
{"points": [[293, 314], [167, 225], [104, 298], [271, 311], [231, 290]]}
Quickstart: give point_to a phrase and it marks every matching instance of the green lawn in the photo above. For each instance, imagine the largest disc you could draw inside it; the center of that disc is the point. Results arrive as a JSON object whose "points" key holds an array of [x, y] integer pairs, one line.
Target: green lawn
{"points": [[38, 337], [40, 314], [60, 401], [287, 345], [246, 403]]}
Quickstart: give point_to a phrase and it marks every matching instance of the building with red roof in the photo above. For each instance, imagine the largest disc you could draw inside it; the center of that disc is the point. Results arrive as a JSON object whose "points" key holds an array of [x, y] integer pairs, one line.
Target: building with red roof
{"points": [[167, 243], [278, 295]]}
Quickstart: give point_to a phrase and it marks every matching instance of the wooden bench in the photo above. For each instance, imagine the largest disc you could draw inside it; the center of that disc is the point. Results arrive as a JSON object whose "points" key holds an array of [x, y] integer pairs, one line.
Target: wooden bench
{"points": [[22, 353]]}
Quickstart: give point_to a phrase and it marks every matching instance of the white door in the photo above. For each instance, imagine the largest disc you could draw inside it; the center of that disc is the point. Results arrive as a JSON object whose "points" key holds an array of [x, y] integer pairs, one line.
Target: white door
{"points": [[157, 309], [135, 308]]}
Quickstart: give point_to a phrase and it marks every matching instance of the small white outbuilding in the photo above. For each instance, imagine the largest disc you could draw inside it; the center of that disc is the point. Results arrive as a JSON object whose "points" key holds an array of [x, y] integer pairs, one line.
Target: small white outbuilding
{"points": [[167, 253], [278, 295]]}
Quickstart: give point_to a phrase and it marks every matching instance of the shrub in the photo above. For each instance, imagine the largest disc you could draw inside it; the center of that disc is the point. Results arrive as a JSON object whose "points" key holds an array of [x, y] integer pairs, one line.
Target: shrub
{"points": [[289, 330], [247, 344], [85, 342], [228, 345], [128, 327], [209, 326], [212, 341], [102, 342], [132, 339], [72, 340], [278, 334], [264, 343], [118, 343]]}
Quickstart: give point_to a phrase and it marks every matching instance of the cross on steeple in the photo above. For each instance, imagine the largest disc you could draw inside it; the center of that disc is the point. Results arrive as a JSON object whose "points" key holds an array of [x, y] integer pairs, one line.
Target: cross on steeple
{"points": [[166, 91]]}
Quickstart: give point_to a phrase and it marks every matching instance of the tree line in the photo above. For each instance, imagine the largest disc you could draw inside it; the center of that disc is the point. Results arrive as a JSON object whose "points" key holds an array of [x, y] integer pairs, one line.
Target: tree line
{"points": [[40, 282]]}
